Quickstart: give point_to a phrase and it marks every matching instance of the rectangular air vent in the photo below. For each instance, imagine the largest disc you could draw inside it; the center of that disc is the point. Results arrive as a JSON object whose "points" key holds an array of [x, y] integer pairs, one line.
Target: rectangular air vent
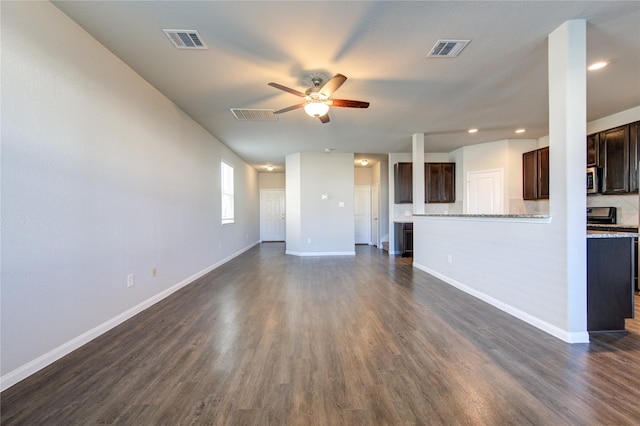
{"points": [[186, 39], [447, 48], [254, 114]]}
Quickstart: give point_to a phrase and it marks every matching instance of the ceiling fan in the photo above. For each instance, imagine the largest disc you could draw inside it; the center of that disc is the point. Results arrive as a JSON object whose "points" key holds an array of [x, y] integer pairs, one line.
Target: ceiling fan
{"points": [[318, 98]]}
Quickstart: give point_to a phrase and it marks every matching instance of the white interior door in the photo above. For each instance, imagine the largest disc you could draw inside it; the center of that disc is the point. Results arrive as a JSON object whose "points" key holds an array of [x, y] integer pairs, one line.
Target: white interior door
{"points": [[362, 209], [485, 191], [272, 215], [375, 231]]}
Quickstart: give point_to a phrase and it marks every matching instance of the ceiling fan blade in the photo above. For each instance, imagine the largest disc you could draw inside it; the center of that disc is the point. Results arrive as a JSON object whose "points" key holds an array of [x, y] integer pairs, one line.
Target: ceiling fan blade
{"points": [[287, 109], [324, 118], [348, 103], [287, 89], [333, 85]]}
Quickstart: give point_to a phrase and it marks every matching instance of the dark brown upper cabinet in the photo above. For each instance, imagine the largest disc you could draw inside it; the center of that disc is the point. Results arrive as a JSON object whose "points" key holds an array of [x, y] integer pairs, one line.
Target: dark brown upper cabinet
{"points": [[535, 174], [592, 150], [634, 155], [615, 158], [403, 177], [440, 182], [543, 173]]}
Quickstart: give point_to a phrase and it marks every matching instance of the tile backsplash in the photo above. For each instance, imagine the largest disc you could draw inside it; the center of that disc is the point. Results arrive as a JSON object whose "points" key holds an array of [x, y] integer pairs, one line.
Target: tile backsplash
{"points": [[406, 210], [627, 206], [520, 206]]}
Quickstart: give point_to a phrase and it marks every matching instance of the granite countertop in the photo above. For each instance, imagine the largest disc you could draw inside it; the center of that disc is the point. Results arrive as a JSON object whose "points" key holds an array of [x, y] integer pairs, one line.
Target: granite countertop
{"points": [[490, 216], [618, 230], [403, 219], [611, 234]]}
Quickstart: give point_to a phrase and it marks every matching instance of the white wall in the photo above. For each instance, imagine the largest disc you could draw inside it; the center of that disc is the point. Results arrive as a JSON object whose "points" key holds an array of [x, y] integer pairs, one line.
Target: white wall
{"points": [[325, 226], [605, 123], [293, 204], [363, 175], [512, 265], [271, 180], [102, 176]]}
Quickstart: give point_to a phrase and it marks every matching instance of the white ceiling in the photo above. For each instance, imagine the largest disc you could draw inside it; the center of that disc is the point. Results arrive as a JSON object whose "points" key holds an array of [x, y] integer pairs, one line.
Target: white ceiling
{"points": [[497, 84]]}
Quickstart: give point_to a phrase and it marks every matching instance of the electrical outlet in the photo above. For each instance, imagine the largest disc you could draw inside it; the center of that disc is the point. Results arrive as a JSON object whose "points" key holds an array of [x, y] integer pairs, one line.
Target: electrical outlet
{"points": [[450, 258], [308, 240], [154, 271], [130, 280]]}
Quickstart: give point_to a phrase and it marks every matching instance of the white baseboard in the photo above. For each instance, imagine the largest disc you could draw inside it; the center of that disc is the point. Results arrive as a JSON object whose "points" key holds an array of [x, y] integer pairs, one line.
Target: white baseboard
{"points": [[569, 337], [320, 253], [53, 355]]}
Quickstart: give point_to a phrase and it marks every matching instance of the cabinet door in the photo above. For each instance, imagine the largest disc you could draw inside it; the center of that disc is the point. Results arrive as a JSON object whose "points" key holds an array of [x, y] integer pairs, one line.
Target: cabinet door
{"points": [[440, 182], [403, 175], [433, 182], [634, 155], [529, 175], [449, 183], [543, 174], [592, 151], [615, 145], [407, 235], [535, 174]]}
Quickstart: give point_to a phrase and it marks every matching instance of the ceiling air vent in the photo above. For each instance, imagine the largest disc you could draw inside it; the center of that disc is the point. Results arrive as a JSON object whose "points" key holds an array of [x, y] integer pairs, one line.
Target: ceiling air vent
{"points": [[254, 114], [447, 48], [186, 39]]}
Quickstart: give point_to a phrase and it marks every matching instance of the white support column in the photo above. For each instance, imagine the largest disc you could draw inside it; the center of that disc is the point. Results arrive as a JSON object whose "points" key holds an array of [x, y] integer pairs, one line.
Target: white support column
{"points": [[418, 173], [567, 159]]}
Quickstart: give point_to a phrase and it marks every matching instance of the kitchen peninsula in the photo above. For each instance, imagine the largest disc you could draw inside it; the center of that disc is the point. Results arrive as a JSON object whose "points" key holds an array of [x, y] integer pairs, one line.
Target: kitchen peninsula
{"points": [[514, 262]]}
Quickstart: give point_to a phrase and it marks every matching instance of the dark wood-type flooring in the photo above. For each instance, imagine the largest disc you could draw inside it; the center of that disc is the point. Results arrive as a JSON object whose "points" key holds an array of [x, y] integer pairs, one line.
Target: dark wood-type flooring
{"points": [[366, 339]]}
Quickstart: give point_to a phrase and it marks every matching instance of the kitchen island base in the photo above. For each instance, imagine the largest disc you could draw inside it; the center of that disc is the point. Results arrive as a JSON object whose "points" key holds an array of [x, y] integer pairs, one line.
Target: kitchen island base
{"points": [[609, 283]]}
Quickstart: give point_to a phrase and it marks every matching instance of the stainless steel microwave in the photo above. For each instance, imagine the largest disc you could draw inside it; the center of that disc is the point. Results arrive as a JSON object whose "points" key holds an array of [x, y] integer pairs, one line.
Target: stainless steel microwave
{"points": [[593, 182]]}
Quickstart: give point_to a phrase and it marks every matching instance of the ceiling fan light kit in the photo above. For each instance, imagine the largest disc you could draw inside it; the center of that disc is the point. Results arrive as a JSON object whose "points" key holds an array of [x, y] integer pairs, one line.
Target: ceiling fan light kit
{"points": [[318, 98], [316, 108]]}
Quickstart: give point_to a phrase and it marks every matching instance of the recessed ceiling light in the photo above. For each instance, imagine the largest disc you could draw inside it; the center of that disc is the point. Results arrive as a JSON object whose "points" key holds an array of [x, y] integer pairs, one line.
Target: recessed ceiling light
{"points": [[598, 65], [473, 130], [364, 162], [270, 168], [521, 130]]}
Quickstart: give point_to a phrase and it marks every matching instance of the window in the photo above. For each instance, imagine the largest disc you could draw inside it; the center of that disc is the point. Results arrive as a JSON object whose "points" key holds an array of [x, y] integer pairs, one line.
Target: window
{"points": [[226, 184]]}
